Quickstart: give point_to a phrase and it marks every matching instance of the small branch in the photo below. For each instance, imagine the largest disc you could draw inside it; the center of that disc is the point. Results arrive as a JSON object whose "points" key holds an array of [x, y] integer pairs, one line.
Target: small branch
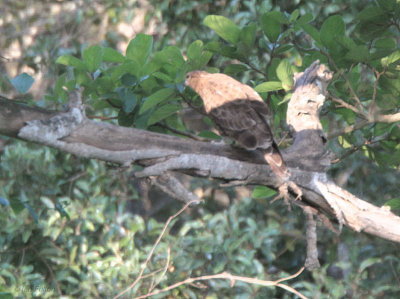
{"points": [[311, 234], [144, 266], [372, 107], [182, 133], [346, 78], [233, 279], [348, 129], [347, 105]]}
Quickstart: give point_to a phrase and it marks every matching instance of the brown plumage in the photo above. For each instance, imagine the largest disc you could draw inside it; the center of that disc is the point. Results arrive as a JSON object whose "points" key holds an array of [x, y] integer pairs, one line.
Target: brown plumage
{"points": [[240, 113]]}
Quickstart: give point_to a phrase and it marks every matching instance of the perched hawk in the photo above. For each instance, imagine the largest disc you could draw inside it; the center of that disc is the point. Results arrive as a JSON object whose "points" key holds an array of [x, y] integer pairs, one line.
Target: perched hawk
{"points": [[240, 113]]}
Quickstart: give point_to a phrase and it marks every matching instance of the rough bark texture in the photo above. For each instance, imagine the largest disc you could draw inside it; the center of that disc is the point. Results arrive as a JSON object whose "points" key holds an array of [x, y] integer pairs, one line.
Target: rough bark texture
{"points": [[162, 155]]}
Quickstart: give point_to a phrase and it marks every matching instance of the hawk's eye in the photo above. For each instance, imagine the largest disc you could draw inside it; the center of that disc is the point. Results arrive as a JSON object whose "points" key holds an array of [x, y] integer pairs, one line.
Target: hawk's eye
{"points": [[187, 76]]}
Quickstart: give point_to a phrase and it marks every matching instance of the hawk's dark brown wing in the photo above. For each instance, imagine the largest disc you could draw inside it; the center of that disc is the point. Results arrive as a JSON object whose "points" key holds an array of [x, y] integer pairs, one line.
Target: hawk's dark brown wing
{"points": [[246, 121]]}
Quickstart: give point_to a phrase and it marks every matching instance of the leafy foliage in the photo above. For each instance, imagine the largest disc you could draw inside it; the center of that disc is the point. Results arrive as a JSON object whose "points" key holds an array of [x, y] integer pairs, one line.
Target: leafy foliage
{"points": [[65, 228]]}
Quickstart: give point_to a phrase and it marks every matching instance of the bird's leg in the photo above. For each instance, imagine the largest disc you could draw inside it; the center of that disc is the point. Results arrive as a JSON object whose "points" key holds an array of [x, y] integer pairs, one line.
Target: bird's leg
{"points": [[284, 192]]}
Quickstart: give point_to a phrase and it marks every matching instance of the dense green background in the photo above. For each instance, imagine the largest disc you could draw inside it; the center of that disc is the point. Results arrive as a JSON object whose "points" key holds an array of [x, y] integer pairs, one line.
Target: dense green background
{"points": [[76, 228]]}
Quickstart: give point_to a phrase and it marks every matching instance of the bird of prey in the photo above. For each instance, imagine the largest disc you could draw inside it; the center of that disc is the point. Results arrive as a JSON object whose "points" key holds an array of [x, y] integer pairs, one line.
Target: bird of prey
{"points": [[239, 112]]}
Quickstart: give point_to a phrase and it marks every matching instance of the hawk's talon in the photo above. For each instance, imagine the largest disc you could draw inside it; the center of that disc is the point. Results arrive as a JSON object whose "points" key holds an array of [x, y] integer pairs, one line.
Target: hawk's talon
{"points": [[284, 192]]}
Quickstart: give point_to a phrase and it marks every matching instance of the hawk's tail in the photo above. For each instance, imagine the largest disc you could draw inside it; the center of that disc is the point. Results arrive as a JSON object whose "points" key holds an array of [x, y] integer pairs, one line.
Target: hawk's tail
{"points": [[275, 160]]}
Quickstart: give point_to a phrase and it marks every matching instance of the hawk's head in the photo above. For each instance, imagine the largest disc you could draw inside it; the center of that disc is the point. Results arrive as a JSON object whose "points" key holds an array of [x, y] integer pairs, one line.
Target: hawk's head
{"points": [[193, 78]]}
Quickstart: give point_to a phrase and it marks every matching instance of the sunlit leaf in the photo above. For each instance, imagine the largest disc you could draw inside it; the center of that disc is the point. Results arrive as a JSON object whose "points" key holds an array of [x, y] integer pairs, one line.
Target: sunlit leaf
{"points": [[224, 27], [263, 192], [93, 56], [139, 48]]}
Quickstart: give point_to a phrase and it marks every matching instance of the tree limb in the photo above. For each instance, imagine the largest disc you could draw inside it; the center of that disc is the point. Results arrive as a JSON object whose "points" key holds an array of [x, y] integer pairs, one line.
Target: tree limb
{"points": [[307, 159]]}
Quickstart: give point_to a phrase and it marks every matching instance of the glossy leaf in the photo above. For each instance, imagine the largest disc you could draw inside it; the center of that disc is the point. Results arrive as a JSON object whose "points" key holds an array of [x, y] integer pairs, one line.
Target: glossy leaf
{"points": [[224, 27], [262, 192], [332, 27], [272, 28], [194, 50], [285, 73], [129, 100], [269, 86], [72, 61], [156, 98], [92, 57], [111, 55], [139, 48], [248, 35], [162, 113]]}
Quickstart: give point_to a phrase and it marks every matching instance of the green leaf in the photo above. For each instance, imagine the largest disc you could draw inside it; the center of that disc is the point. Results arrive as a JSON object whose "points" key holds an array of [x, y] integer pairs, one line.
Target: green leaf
{"points": [[205, 58], [370, 13], [6, 295], [392, 58], [224, 27], [93, 56], [111, 55], [163, 113], [283, 48], [103, 84], [129, 80], [385, 43], [307, 18], [72, 61], [263, 192], [125, 119], [170, 56], [22, 82], [194, 50], [359, 53], [233, 69], [82, 78], [269, 86], [58, 87], [248, 35], [294, 15], [139, 48], [394, 203], [312, 31], [285, 74], [272, 28], [332, 27], [369, 262], [129, 100], [387, 5], [156, 98]]}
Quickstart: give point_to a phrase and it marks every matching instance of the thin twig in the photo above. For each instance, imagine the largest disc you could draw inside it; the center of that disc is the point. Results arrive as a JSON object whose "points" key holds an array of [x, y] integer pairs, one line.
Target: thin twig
{"points": [[164, 270], [186, 134], [346, 105], [233, 278], [144, 266]]}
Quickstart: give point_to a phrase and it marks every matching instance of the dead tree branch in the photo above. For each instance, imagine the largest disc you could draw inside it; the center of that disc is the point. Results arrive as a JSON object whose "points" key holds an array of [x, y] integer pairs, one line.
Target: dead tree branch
{"points": [[307, 159]]}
